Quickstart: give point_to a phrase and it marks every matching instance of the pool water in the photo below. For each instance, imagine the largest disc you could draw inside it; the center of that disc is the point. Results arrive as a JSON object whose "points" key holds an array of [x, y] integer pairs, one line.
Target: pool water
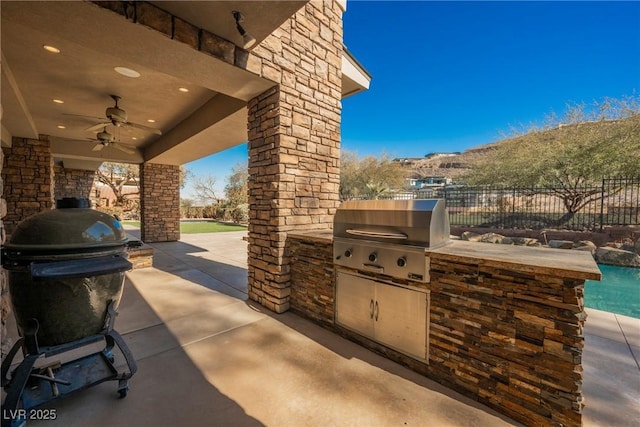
{"points": [[618, 292]]}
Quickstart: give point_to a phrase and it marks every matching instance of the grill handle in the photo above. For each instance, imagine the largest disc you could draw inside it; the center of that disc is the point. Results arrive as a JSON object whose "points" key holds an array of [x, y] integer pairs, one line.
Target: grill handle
{"points": [[381, 234], [85, 267]]}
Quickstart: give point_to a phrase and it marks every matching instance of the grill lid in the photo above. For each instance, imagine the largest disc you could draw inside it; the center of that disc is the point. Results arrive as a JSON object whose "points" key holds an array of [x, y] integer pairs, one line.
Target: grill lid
{"points": [[73, 226], [422, 223]]}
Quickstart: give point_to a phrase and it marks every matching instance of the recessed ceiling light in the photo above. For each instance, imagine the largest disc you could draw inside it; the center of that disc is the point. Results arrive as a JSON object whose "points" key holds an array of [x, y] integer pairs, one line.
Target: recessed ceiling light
{"points": [[127, 72], [61, 127], [151, 121], [51, 49], [58, 101], [134, 138], [183, 89]]}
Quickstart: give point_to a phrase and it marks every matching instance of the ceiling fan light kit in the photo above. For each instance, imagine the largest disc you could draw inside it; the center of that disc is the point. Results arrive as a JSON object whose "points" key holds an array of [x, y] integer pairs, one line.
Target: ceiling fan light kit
{"points": [[116, 116]]}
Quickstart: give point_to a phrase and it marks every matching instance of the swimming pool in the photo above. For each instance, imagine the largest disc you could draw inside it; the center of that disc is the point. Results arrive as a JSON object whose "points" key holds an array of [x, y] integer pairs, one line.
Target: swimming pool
{"points": [[618, 292]]}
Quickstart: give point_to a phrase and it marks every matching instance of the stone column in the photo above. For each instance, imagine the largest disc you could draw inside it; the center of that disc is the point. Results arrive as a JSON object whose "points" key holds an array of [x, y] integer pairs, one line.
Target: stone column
{"points": [[5, 310], [159, 202], [26, 188], [27, 174], [294, 144], [73, 182]]}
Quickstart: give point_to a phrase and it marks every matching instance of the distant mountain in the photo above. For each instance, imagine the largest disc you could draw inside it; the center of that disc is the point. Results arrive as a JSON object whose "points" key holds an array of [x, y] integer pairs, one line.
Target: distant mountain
{"points": [[449, 165], [454, 165]]}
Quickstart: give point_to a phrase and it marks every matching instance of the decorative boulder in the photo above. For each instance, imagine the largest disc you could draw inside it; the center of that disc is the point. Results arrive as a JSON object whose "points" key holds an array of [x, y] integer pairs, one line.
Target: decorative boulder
{"points": [[524, 241], [471, 236], [492, 238], [619, 257], [585, 245], [561, 244]]}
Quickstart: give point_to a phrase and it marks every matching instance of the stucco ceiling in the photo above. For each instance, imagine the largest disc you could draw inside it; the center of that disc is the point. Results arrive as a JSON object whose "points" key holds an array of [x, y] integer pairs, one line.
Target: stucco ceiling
{"points": [[210, 117]]}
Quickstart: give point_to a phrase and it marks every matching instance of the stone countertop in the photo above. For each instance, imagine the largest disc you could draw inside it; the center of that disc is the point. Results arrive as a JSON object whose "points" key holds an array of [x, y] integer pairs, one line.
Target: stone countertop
{"points": [[319, 236], [556, 262]]}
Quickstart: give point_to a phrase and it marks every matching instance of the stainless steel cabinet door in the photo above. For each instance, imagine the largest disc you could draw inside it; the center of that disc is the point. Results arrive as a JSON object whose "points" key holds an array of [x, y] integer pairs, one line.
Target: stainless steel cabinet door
{"points": [[355, 303], [401, 319]]}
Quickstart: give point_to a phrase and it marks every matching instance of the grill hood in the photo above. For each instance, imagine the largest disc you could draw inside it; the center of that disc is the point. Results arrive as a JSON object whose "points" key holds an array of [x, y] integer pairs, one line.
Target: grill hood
{"points": [[423, 223], [72, 226]]}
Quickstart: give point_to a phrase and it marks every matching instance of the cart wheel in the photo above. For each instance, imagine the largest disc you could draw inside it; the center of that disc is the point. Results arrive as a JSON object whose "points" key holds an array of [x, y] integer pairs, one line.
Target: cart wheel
{"points": [[123, 392]]}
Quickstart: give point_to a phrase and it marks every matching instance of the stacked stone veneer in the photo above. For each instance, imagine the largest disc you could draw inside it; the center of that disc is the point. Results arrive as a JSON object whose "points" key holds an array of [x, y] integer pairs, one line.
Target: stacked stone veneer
{"points": [[511, 336], [293, 129], [159, 202], [27, 188], [27, 174], [5, 343], [312, 277], [73, 182], [294, 143]]}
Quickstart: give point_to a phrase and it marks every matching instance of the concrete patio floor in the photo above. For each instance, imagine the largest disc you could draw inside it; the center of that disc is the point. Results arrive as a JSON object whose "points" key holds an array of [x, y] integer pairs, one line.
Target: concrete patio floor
{"points": [[208, 357]]}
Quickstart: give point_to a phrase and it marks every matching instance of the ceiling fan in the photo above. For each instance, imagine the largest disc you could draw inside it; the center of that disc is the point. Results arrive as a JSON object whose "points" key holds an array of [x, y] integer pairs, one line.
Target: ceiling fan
{"points": [[105, 139], [118, 117]]}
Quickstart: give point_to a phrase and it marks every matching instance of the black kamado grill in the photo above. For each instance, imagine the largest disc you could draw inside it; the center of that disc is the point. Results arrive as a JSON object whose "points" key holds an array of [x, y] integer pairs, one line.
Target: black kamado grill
{"points": [[66, 274]]}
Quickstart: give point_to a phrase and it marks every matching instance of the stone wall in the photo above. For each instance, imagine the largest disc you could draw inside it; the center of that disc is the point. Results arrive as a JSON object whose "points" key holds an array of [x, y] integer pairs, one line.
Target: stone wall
{"points": [[312, 277], [159, 202], [5, 311], [27, 174], [156, 19], [73, 182], [27, 188], [294, 143], [510, 337]]}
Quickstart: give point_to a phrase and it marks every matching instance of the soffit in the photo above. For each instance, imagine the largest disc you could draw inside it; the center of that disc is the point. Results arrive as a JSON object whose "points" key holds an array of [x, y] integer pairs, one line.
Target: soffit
{"points": [[93, 41]]}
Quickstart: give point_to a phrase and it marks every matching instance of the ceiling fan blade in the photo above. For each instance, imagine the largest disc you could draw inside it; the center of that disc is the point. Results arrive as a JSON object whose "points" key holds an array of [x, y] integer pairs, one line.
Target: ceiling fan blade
{"points": [[82, 115], [123, 148], [98, 147], [145, 128], [97, 126]]}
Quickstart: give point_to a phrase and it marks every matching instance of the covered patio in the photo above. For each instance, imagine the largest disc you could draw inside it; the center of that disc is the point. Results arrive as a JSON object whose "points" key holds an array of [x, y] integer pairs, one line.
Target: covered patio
{"points": [[208, 356], [160, 84], [201, 321]]}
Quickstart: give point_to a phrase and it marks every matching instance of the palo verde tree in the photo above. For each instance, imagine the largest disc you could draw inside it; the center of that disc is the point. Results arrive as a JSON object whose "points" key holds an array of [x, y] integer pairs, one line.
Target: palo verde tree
{"points": [[570, 154], [236, 190], [237, 194], [369, 177]]}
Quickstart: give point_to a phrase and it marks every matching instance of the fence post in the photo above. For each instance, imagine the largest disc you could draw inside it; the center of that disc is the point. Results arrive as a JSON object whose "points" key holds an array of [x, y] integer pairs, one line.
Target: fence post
{"points": [[513, 207], [602, 207]]}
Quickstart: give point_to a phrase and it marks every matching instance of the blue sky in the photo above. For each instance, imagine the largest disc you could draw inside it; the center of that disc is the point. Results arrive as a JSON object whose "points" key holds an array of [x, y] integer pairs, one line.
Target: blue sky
{"points": [[447, 76]]}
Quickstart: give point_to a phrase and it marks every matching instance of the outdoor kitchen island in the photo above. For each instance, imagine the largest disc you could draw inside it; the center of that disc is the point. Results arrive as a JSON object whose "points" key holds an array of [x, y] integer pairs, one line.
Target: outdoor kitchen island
{"points": [[504, 324]]}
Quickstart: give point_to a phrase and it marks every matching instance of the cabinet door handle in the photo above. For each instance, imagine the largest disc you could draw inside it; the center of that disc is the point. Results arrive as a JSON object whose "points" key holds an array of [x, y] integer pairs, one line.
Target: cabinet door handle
{"points": [[377, 310], [371, 309]]}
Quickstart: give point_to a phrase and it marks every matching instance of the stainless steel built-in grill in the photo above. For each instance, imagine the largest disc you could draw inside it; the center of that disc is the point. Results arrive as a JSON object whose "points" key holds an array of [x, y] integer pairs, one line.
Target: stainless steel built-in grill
{"points": [[390, 237], [377, 242]]}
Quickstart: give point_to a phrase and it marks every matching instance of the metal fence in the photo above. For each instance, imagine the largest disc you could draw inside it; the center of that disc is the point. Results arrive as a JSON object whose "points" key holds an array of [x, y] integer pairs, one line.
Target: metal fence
{"points": [[615, 202]]}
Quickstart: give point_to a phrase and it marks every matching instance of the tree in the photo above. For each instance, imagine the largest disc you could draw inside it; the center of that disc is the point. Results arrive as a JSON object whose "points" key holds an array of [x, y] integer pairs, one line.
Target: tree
{"points": [[236, 190], [204, 188], [569, 154], [369, 177], [185, 175], [118, 175]]}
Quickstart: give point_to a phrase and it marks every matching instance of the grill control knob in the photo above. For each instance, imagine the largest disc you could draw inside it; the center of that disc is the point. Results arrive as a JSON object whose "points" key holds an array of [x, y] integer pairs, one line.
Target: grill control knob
{"points": [[402, 261], [373, 257], [348, 253]]}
